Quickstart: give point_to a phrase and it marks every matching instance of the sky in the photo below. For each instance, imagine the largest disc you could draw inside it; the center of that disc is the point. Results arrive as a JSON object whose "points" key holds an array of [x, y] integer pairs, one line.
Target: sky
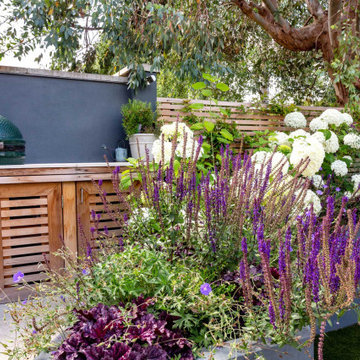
{"points": [[27, 62]]}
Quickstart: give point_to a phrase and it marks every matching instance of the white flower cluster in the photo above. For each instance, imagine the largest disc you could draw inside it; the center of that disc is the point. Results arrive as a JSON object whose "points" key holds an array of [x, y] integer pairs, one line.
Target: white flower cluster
{"points": [[168, 132], [332, 117], [318, 124], [295, 120], [312, 198], [278, 160], [278, 139], [317, 181], [299, 134], [157, 150], [309, 151], [353, 140], [331, 145], [339, 167], [356, 180]]}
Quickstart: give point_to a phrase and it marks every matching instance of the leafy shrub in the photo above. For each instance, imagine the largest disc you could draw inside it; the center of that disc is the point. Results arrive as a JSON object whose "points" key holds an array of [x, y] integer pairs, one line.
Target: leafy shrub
{"points": [[138, 117], [123, 332]]}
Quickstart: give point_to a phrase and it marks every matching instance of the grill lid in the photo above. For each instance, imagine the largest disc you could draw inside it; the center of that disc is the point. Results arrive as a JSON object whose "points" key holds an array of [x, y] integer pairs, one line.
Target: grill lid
{"points": [[9, 131]]}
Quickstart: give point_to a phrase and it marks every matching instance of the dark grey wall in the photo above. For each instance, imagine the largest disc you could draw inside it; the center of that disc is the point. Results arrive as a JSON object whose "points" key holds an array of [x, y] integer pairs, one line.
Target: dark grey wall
{"points": [[66, 120]]}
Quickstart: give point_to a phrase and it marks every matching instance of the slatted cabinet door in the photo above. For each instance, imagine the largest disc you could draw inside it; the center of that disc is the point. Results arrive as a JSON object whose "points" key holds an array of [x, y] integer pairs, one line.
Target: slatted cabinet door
{"points": [[30, 230], [88, 199]]}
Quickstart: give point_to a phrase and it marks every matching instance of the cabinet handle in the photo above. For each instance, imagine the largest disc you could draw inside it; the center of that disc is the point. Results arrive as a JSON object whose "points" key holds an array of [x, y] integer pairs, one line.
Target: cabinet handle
{"points": [[81, 195]]}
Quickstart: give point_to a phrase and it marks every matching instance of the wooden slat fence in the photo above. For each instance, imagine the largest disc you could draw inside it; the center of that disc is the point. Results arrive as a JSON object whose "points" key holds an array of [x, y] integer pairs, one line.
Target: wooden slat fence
{"points": [[247, 118]]}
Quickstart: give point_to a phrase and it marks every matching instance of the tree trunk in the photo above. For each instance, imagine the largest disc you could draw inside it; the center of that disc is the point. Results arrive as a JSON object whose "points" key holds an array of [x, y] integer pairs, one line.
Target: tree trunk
{"points": [[327, 49], [320, 35]]}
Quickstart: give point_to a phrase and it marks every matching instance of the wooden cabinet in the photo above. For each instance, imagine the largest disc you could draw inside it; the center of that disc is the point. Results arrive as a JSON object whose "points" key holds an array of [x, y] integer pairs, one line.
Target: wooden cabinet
{"points": [[88, 201], [30, 230], [44, 209]]}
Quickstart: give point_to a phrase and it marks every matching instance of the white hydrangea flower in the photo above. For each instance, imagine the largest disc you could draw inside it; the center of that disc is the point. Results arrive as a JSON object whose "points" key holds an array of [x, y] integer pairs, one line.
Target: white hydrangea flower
{"points": [[333, 117], [299, 134], [156, 151], [353, 140], [332, 145], [347, 119], [348, 194], [348, 157], [356, 180], [339, 168], [277, 159], [312, 198], [318, 124], [190, 149], [279, 138], [169, 131], [320, 137], [317, 181], [295, 120], [309, 150]]}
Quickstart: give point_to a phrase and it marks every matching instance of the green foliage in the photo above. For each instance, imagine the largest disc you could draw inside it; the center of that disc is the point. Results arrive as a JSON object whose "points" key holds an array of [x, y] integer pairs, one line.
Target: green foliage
{"points": [[260, 140], [347, 70], [138, 117], [217, 130], [183, 39]]}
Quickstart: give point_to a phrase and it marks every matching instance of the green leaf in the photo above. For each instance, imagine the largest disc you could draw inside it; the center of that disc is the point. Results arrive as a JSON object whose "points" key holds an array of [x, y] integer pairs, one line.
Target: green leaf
{"points": [[327, 134], [206, 92], [226, 134], [223, 87], [222, 140], [197, 126], [206, 146], [132, 161], [196, 106], [209, 77], [199, 85], [224, 112], [176, 165], [209, 126]]}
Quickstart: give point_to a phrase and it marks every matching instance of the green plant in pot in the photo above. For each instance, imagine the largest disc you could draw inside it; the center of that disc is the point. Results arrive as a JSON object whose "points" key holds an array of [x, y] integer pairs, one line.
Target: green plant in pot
{"points": [[139, 122]]}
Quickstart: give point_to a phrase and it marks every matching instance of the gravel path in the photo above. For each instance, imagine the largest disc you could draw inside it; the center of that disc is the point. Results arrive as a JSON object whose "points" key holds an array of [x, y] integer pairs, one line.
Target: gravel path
{"points": [[5, 330]]}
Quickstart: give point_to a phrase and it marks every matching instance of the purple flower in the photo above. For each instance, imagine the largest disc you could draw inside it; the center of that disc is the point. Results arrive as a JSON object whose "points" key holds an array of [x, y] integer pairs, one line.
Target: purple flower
{"points": [[272, 315], [85, 272], [62, 298], [319, 192], [100, 182], [106, 230], [18, 277], [205, 289], [337, 189], [24, 302], [34, 331], [92, 229]]}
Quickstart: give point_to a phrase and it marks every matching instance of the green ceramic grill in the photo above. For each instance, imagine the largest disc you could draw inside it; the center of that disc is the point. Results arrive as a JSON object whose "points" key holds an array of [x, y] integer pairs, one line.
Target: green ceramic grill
{"points": [[12, 144]]}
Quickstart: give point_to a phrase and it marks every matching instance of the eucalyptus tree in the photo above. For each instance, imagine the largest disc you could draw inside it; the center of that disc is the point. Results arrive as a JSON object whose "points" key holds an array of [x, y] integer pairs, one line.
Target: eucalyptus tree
{"points": [[223, 36]]}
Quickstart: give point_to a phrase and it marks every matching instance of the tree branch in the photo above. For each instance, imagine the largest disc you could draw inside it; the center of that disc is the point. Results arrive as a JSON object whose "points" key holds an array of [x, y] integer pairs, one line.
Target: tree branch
{"points": [[315, 8], [303, 39], [335, 7], [273, 7]]}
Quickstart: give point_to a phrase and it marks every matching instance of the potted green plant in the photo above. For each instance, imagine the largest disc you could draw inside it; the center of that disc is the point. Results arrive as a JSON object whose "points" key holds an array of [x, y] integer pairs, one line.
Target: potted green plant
{"points": [[139, 122]]}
